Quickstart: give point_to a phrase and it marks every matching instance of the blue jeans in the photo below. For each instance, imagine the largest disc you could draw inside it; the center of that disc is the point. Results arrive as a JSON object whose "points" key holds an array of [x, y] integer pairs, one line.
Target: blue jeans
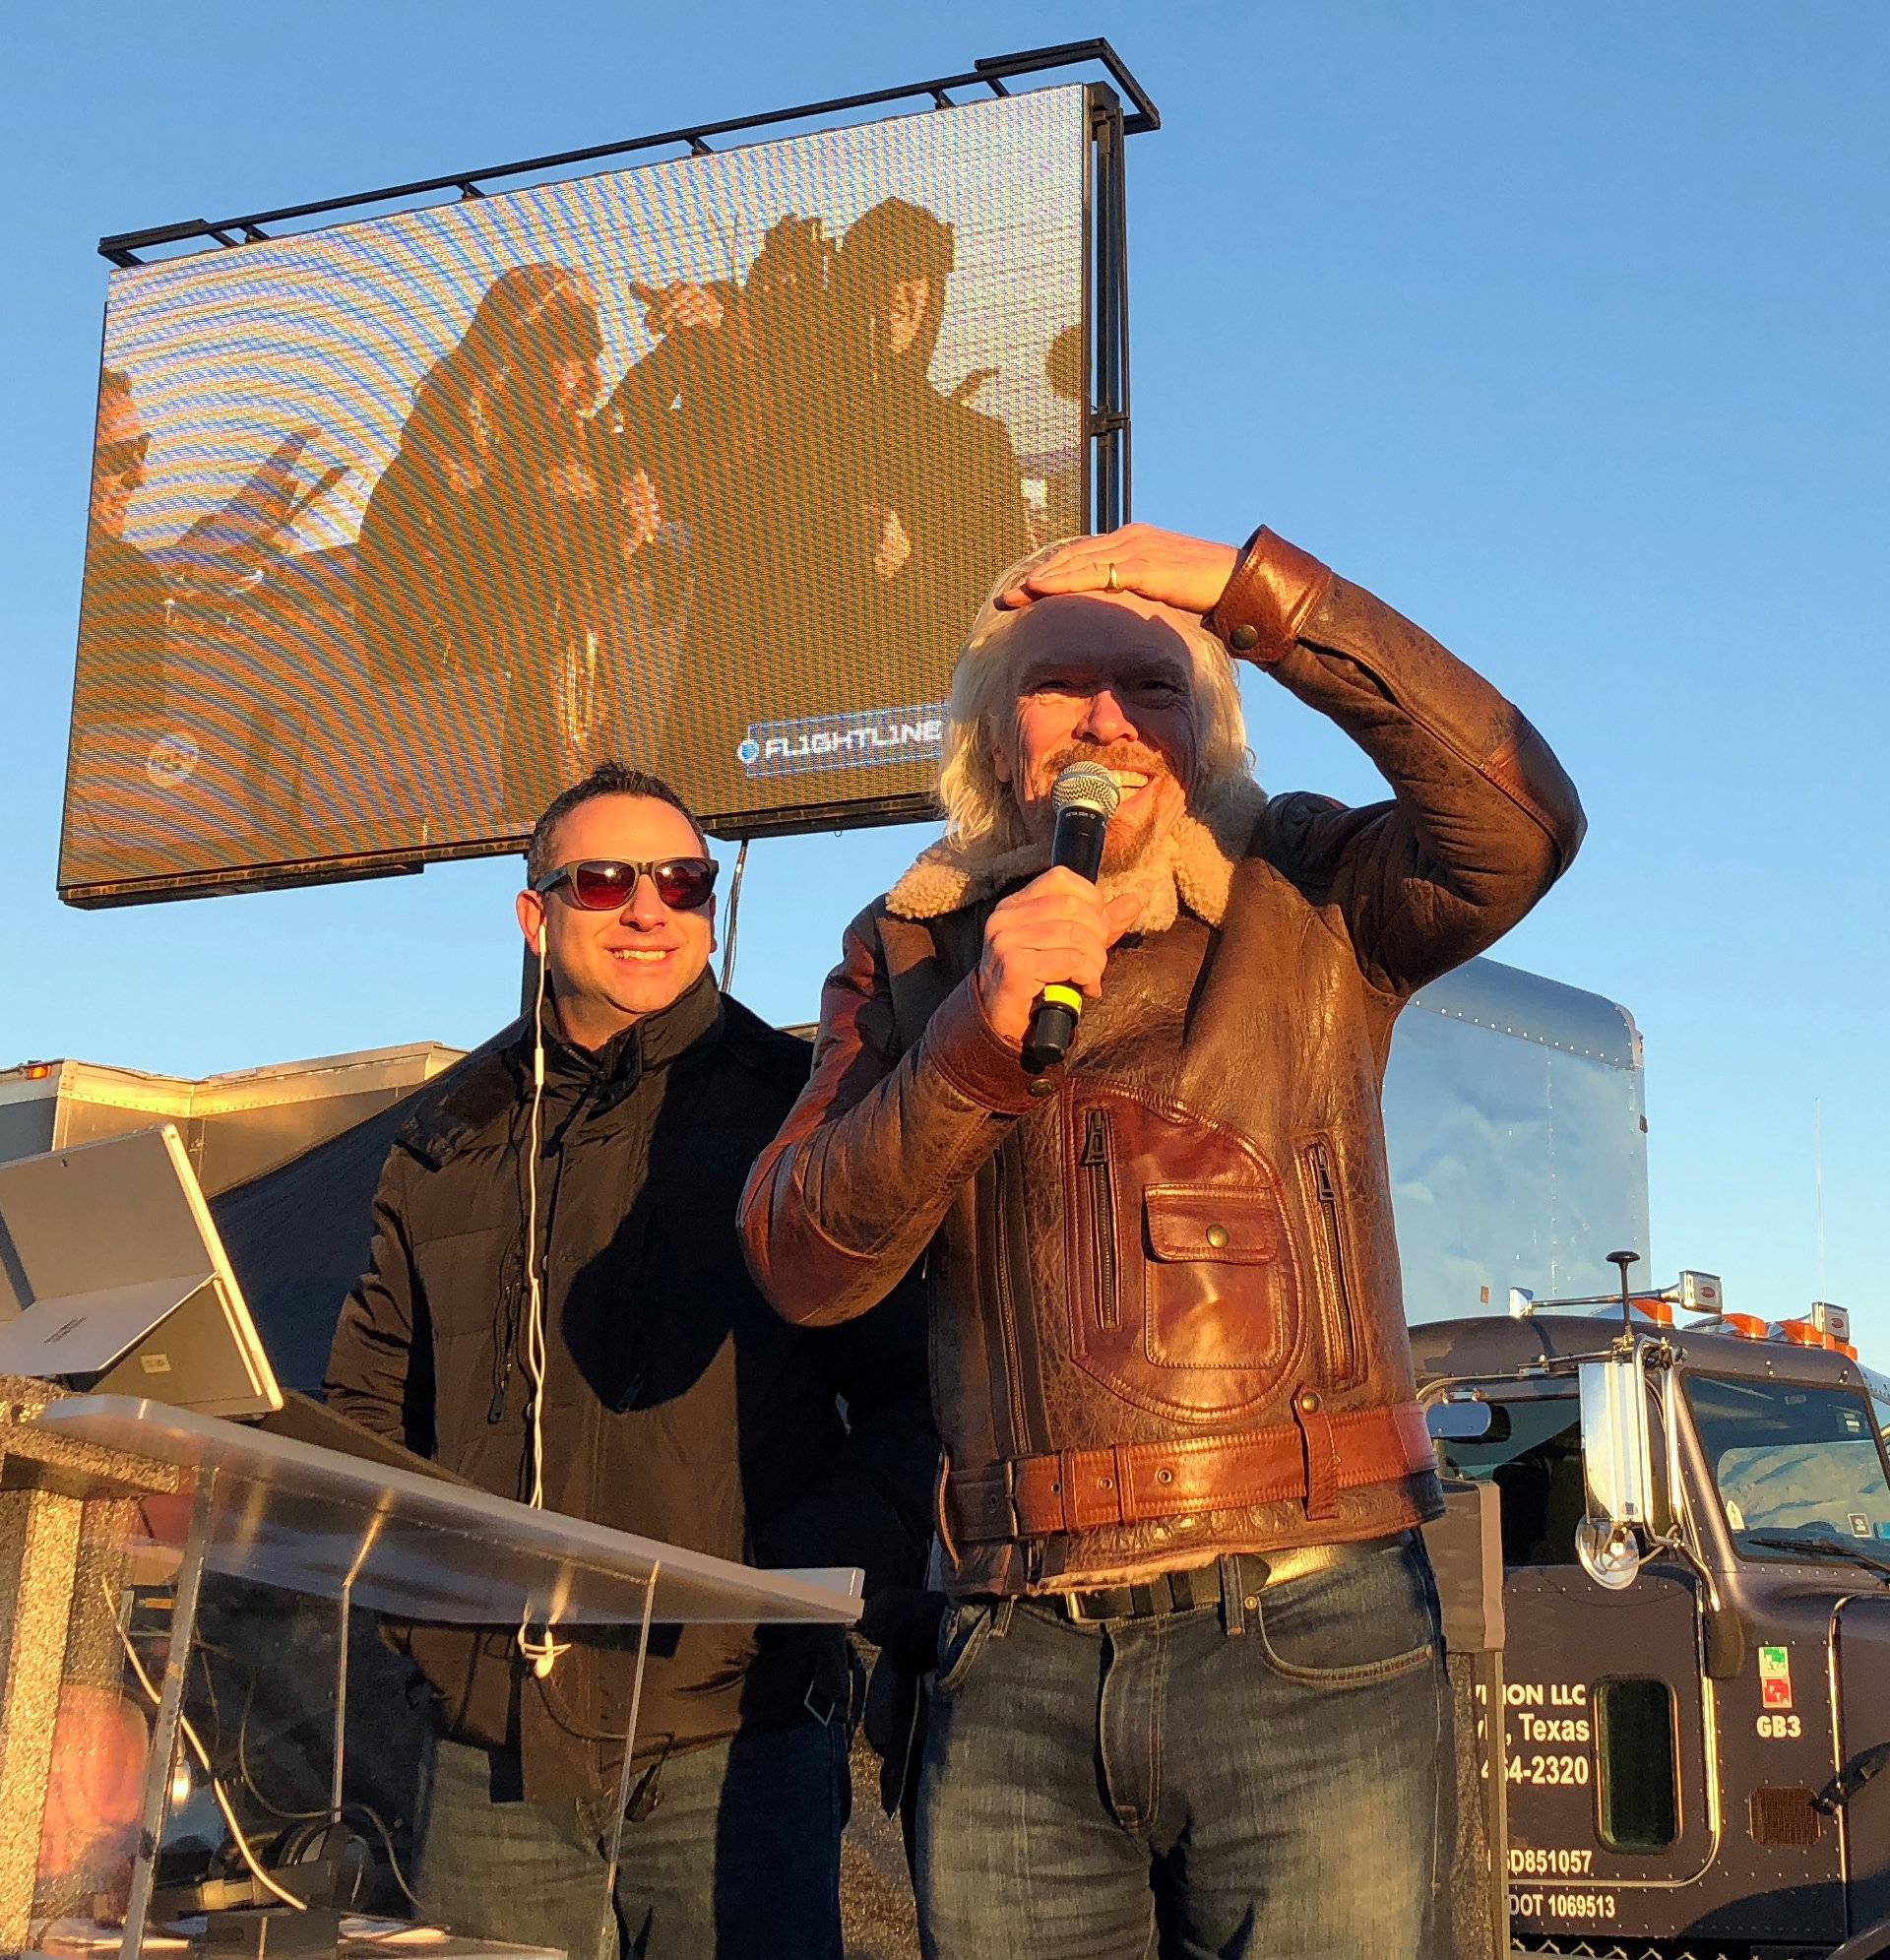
{"points": [[1234, 1782], [739, 1859]]}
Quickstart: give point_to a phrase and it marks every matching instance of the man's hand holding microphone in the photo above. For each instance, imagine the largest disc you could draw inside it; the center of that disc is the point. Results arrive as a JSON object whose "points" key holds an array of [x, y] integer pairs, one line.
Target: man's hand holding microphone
{"points": [[1045, 946]]}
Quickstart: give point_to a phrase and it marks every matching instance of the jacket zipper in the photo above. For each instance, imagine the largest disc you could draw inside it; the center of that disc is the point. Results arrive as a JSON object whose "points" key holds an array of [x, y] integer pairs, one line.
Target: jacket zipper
{"points": [[1096, 1161], [1001, 1257], [1337, 1307], [508, 1336]]}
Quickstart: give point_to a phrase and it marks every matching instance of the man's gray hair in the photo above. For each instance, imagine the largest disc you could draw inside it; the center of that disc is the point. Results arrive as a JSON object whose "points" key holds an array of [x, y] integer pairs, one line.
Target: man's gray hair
{"points": [[981, 815]]}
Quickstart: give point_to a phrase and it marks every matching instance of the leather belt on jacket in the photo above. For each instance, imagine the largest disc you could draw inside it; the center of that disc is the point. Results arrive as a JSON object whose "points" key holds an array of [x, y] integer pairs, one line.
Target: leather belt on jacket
{"points": [[1312, 1458]]}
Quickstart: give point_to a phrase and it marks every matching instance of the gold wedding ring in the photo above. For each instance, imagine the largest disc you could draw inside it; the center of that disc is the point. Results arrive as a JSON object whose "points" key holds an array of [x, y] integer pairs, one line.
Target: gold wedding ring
{"points": [[1114, 584]]}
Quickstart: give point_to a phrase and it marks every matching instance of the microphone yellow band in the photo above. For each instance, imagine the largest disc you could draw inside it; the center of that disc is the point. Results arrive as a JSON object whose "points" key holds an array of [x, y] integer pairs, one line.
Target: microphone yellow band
{"points": [[1059, 995]]}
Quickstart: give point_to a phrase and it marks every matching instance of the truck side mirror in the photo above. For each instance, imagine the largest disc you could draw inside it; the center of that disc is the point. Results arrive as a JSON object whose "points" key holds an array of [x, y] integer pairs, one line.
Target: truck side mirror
{"points": [[1458, 1421], [1618, 1469]]}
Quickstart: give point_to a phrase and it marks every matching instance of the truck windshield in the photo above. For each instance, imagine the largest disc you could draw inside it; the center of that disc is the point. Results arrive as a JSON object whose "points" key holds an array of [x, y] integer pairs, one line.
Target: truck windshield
{"points": [[1793, 1461]]}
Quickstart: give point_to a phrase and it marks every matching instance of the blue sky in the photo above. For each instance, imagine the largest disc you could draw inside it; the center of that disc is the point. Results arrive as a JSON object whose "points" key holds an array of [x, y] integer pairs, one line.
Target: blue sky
{"points": [[1562, 329]]}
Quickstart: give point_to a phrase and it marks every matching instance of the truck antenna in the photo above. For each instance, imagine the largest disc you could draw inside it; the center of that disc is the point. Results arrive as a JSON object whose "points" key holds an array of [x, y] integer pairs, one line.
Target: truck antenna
{"points": [[1624, 1260], [1817, 1157]]}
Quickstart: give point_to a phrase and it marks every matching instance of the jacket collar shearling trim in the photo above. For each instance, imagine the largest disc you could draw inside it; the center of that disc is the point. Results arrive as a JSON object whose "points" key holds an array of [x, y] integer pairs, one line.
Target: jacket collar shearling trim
{"points": [[1194, 868]]}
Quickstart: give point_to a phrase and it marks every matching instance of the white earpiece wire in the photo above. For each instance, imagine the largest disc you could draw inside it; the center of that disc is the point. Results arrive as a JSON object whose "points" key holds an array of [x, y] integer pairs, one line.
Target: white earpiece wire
{"points": [[541, 1650]]}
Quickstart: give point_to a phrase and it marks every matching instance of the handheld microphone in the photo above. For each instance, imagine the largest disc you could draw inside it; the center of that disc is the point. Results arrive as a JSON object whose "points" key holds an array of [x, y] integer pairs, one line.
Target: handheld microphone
{"points": [[1083, 796]]}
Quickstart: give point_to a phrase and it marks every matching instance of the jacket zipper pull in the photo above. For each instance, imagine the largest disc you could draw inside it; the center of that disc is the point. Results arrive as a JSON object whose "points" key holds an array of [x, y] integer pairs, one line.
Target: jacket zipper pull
{"points": [[508, 1333], [1339, 1336], [1094, 1159]]}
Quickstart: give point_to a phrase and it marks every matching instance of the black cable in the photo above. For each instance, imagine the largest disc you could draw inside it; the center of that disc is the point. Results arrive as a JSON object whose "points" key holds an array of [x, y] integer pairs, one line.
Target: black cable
{"points": [[731, 915], [247, 1777]]}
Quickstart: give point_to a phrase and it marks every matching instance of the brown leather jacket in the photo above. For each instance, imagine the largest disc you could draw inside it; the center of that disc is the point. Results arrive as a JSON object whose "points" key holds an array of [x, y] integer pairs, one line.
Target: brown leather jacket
{"points": [[1167, 1315]]}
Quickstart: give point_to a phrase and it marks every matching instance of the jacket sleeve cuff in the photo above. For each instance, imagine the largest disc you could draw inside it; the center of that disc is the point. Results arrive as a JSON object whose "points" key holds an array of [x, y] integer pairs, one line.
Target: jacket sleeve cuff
{"points": [[973, 1057], [1271, 595]]}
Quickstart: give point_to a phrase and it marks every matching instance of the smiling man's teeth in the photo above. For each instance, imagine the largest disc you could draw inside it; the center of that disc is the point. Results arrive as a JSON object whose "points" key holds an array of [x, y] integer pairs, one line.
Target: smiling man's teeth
{"points": [[1127, 778], [639, 953]]}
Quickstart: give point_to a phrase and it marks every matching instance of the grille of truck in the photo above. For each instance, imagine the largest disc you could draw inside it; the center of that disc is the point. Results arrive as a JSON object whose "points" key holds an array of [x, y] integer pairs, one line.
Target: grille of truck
{"points": [[1782, 1816]]}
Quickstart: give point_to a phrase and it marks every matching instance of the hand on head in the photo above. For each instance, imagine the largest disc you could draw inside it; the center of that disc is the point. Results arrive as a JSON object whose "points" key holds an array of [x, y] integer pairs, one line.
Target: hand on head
{"points": [[1187, 573]]}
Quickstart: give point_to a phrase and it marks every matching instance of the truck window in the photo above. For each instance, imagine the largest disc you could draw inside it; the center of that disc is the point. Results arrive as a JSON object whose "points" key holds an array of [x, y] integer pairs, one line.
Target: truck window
{"points": [[1637, 1778], [1794, 1460], [1532, 1452]]}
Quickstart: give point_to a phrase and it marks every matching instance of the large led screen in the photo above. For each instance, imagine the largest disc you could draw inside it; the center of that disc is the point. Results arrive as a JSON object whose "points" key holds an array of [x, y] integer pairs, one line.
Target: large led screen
{"points": [[397, 527]]}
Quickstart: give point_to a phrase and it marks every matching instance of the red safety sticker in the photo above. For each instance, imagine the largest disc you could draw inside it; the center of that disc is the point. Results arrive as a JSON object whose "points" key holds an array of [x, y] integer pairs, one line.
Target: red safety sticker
{"points": [[1774, 1677]]}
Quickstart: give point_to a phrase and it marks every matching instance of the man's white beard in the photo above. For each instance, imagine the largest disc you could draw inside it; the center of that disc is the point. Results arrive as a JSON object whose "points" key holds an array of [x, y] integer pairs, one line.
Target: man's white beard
{"points": [[1152, 869]]}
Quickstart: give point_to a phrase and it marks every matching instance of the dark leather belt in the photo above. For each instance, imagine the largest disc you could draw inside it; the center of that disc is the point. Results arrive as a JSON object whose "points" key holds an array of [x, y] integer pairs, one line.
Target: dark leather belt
{"points": [[1201, 1584], [1312, 1458]]}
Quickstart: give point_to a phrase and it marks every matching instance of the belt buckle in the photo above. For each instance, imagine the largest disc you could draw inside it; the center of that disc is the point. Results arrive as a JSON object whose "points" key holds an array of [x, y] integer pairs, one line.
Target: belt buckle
{"points": [[1139, 1602]]}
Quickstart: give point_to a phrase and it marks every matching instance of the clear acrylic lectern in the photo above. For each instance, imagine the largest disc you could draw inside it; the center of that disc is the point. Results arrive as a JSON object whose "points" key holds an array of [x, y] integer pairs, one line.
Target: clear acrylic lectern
{"points": [[183, 1496]]}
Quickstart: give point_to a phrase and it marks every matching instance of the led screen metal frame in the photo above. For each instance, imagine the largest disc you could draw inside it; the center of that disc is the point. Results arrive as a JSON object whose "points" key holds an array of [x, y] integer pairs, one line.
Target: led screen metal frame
{"points": [[1104, 484]]}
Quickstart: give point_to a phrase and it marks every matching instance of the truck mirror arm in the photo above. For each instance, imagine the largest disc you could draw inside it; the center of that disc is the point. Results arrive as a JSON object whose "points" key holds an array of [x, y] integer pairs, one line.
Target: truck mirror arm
{"points": [[1851, 1779]]}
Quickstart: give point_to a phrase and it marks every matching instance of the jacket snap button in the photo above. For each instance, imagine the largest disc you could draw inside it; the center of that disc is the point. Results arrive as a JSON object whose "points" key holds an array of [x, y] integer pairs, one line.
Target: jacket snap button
{"points": [[1217, 1235], [1165, 1477], [1310, 1403], [1106, 1483], [1242, 637], [1042, 1086]]}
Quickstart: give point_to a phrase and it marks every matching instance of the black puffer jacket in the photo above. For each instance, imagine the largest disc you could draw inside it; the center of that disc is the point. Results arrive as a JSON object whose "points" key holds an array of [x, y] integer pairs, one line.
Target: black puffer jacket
{"points": [[678, 1404]]}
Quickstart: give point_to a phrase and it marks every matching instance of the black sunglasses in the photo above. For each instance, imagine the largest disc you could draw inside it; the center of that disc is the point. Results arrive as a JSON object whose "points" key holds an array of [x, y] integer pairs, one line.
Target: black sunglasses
{"points": [[601, 884]]}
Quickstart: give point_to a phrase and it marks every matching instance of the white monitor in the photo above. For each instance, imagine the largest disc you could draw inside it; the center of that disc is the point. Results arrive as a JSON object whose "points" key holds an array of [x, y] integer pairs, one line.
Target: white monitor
{"points": [[112, 1278]]}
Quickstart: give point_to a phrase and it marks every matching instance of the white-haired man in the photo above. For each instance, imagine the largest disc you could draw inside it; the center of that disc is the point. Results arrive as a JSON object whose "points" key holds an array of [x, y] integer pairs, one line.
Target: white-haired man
{"points": [[1190, 1684]]}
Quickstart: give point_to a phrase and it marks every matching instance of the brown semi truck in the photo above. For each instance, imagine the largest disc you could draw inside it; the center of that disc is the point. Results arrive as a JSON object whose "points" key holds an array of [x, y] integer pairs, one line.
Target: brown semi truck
{"points": [[1668, 1565]]}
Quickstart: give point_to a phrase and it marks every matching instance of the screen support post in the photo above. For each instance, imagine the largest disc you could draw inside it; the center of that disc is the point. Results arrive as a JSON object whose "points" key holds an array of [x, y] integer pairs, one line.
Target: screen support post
{"points": [[1108, 272]]}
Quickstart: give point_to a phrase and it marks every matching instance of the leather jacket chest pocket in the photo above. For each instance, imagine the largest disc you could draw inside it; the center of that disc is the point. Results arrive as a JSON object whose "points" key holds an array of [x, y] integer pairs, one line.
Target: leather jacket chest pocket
{"points": [[1182, 1287]]}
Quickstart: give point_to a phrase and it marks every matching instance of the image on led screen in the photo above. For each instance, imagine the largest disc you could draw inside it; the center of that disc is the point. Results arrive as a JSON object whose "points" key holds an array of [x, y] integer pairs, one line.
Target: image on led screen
{"points": [[397, 527]]}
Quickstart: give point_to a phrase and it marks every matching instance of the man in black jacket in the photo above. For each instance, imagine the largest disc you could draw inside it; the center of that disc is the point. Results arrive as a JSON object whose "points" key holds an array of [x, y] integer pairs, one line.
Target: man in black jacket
{"points": [[672, 1401]]}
